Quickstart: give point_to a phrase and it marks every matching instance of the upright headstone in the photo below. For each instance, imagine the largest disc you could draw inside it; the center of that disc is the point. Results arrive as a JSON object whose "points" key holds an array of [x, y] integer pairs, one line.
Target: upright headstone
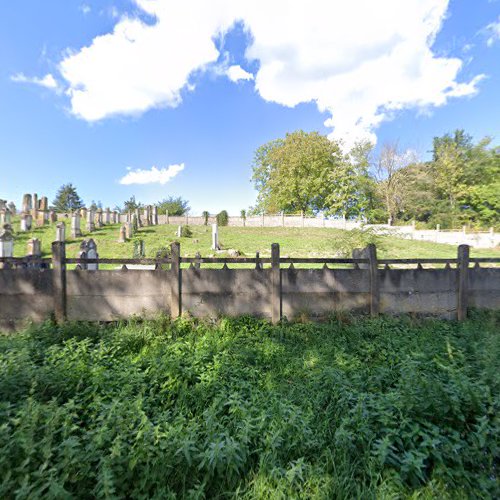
{"points": [[76, 231], [114, 217], [107, 216], [179, 232], [34, 248], [12, 207], [135, 223], [138, 217], [27, 203], [155, 215], [52, 216], [44, 210], [88, 250], [146, 216], [98, 222], [6, 244], [90, 221], [129, 230], [26, 221], [215, 237], [83, 213], [61, 232], [123, 235], [34, 212]]}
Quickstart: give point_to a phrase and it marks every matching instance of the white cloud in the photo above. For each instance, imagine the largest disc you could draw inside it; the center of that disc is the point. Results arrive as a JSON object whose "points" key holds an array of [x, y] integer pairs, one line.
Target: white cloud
{"points": [[236, 73], [48, 81], [493, 32], [85, 9], [153, 176], [360, 61]]}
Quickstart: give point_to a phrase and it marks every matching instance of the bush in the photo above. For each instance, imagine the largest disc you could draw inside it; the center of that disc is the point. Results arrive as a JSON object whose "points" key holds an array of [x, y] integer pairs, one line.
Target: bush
{"points": [[205, 216], [186, 232], [357, 238], [222, 218], [352, 408]]}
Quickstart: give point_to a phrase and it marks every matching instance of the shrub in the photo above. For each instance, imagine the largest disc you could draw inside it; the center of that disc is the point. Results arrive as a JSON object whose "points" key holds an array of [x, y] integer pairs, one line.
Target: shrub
{"points": [[186, 232], [357, 238], [205, 216], [222, 218]]}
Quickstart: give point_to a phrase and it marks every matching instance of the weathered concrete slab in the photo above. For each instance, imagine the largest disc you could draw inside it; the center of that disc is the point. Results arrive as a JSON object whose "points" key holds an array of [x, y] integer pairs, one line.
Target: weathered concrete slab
{"points": [[111, 295]]}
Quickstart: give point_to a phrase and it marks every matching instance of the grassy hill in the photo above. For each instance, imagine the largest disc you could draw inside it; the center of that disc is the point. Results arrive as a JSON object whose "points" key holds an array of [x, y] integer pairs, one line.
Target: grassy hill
{"points": [[294, 242]]}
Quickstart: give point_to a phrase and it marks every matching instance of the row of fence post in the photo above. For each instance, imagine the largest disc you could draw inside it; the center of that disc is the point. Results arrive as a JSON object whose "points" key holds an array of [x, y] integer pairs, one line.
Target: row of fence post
{"points": [[369, 253]]}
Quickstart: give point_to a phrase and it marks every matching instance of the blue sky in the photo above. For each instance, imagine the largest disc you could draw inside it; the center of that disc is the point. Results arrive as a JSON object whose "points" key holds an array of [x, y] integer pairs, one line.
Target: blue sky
{"points": [[91, 91]]}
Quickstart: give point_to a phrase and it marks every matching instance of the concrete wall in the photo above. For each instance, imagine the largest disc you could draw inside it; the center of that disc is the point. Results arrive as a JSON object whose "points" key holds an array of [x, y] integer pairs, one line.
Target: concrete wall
{"points": [[28, 294]]}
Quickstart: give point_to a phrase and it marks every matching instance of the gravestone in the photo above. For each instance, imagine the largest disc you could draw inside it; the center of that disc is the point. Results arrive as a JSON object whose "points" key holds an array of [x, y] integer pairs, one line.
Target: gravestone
{"points": [[135, 223], [107, 216], [123, 235], [6, 244], [90, 221], [138, 217], [83, 213], [52, 217], [129, 230], [34, 248], [88, 250], [12, 207], [215, 237], [34, 212], [114, 217], [99, 223], [26, 222], [179, 232], [76, 231], [155, 215], [27, 205], [61, 232], [139, 249]]}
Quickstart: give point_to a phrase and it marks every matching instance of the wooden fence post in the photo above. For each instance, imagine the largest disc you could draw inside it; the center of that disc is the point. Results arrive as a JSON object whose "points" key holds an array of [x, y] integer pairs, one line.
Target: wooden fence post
{"points": [[371, 252], [59, 280], [463, 282], [176, 281], [275, 283]]}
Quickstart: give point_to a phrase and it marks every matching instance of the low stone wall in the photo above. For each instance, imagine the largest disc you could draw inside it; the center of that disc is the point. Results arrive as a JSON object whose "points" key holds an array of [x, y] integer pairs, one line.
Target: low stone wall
{"points": [[30, 294]]}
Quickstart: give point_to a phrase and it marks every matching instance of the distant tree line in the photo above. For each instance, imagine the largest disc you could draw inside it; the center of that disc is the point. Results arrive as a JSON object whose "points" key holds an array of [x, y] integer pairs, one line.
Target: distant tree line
{"points": [[309, 173]]}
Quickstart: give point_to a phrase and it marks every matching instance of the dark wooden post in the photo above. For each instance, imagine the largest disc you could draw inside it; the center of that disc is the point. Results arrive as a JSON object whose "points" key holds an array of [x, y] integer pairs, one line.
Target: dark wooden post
{"points": [[371, 252], [59, 280], [176, 281], [275, 283], [463, 282]]}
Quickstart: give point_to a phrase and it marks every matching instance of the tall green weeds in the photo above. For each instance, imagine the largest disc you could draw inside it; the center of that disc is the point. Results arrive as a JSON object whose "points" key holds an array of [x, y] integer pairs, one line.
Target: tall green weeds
{"points": [[386, 408]]}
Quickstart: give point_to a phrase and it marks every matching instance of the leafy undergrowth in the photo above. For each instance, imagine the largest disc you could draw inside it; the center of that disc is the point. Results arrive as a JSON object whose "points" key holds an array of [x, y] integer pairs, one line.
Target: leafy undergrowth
{"points": [[353, 408]]}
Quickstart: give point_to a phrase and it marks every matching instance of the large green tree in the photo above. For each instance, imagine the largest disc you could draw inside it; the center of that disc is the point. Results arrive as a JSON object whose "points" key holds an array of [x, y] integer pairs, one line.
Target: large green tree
{"points": [[67, 199], [174, 206], [304, 172]]}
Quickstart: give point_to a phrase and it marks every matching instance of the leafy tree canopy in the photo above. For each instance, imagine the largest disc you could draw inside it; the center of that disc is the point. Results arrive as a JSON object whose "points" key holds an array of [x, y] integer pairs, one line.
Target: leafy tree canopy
{"points": [[174, 206]]}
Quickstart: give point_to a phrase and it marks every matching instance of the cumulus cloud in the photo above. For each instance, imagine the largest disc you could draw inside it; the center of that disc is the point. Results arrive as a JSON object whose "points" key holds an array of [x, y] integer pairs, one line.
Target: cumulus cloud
{"points": [[360, 61], [152, 176], [48, 81], [236, 73], [493, 32]]}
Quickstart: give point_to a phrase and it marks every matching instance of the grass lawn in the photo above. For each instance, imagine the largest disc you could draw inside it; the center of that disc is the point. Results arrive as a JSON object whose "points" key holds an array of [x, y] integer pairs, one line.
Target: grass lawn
{"points": [[352, 408], [294, 242]]}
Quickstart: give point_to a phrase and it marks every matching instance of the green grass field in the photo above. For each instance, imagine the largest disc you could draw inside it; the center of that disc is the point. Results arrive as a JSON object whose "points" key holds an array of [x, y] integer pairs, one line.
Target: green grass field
{"points": [[352, 408], [294, 242]]}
